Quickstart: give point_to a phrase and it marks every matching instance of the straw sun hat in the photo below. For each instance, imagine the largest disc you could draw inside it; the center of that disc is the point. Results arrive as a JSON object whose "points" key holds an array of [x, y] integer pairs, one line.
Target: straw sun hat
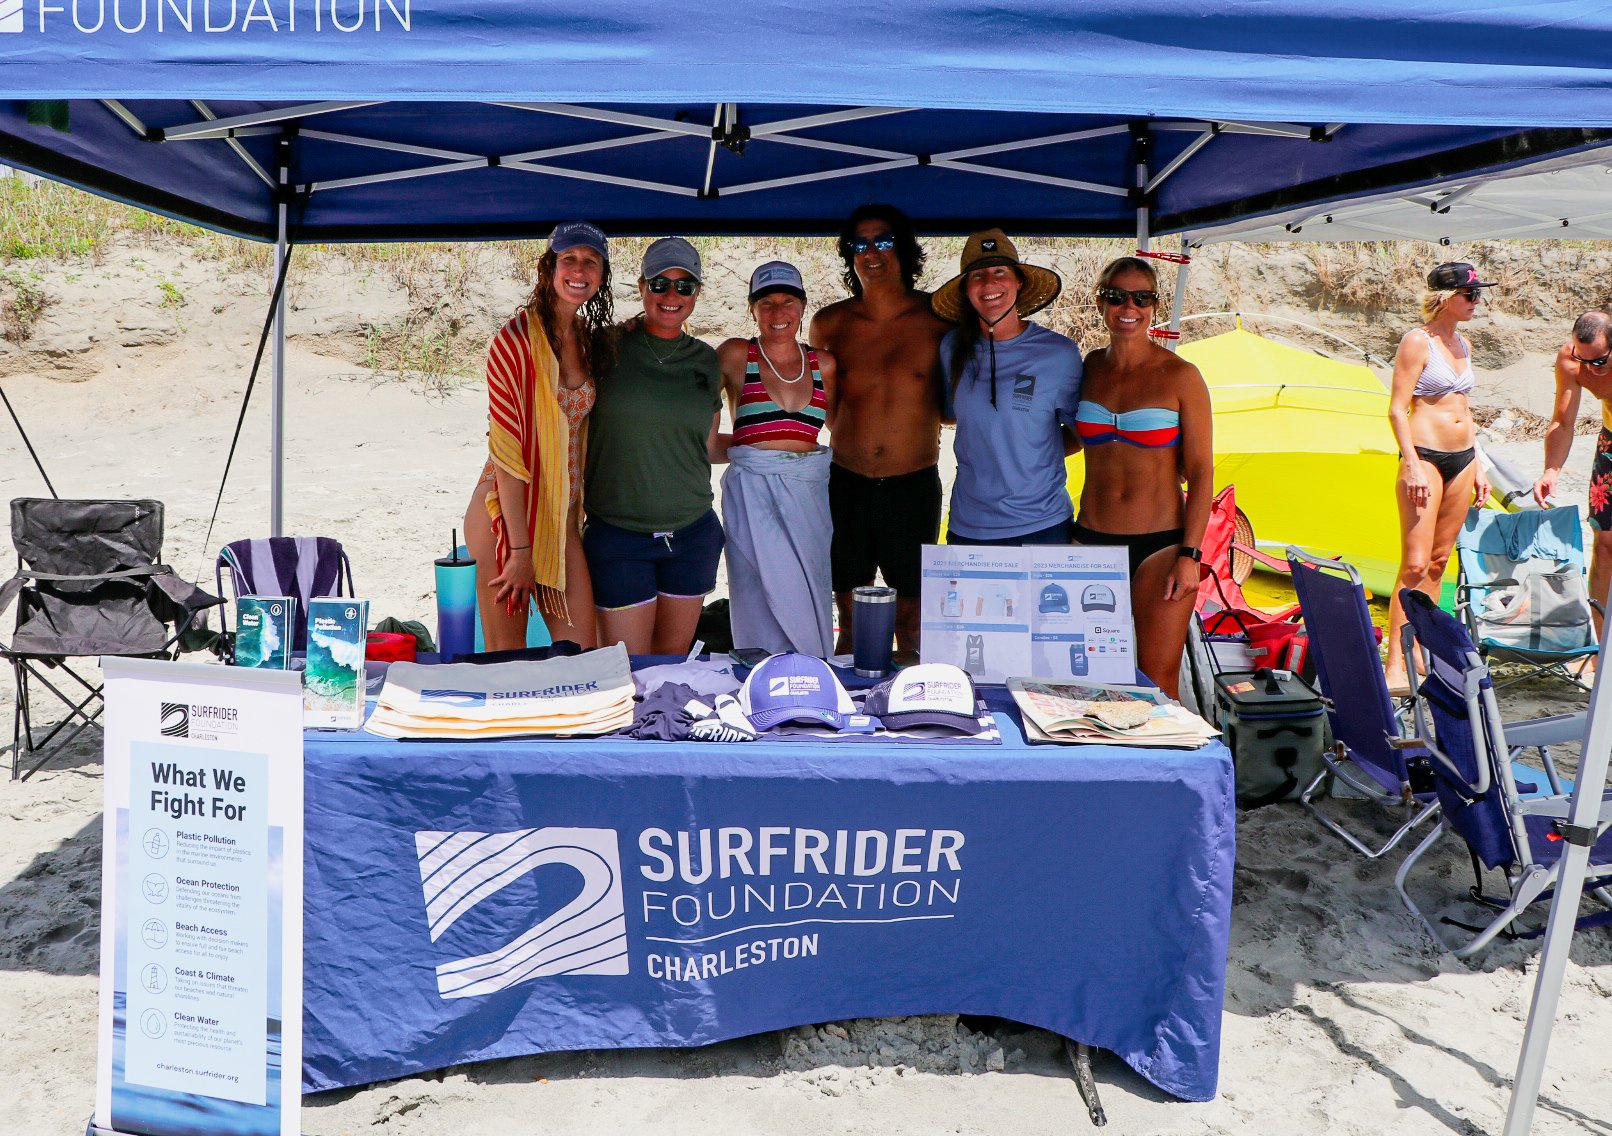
{"points": [[1041, 285]]}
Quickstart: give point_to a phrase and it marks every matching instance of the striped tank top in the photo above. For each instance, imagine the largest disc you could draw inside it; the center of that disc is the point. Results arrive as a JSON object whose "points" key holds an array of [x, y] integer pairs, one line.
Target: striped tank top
{"points": [[760, 419]]}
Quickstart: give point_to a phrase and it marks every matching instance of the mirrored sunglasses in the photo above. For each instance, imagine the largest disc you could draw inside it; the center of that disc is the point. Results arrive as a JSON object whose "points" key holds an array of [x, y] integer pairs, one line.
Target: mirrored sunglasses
{"points": [[1599, 362], [1141, 297], [884, 242], [660, 285]]}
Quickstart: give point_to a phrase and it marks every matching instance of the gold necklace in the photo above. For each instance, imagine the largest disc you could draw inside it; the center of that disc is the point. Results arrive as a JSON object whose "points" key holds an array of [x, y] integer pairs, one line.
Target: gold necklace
{"points": [[649, 341]]}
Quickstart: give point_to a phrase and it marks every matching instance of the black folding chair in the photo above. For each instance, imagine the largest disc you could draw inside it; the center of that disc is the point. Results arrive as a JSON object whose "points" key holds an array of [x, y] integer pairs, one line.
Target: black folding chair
{"points": [[89, 583]]}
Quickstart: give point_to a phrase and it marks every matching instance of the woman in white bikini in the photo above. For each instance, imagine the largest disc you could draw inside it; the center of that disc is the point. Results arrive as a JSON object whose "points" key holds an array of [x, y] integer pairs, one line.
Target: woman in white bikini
{"points": [[1439, 472]]}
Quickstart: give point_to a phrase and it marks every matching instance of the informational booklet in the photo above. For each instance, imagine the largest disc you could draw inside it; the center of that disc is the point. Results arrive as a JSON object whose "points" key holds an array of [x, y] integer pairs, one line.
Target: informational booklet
{"points": [[1063, 611], [263, 631], [333, 680], [1105, 714]]}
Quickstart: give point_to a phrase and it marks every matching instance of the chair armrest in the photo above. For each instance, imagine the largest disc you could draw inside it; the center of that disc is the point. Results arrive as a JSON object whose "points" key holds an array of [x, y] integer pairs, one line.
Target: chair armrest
{"points": [[1558, 729]]}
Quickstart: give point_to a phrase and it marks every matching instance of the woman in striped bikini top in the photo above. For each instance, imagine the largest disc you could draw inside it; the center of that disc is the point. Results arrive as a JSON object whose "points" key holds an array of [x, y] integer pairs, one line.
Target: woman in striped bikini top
{"points": [[772, 405]]}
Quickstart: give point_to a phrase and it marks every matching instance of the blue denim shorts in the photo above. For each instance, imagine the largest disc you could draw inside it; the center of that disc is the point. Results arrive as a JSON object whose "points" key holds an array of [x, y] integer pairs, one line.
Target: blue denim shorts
{"points": [[630, 568]]}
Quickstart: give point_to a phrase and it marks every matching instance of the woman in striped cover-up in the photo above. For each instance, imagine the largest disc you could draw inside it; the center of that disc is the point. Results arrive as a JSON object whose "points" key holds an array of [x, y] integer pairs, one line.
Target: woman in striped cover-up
{"points": [[775, 492], [523, 525]]}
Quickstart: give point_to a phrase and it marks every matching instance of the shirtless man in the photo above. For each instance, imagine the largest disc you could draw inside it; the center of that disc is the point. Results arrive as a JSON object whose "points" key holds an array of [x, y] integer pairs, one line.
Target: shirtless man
{"points": [[884, 485], [1585, 364]]}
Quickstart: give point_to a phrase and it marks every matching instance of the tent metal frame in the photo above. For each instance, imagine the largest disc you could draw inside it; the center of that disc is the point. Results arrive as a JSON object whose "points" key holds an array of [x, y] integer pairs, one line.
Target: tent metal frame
{"points": [[1584, 818]]}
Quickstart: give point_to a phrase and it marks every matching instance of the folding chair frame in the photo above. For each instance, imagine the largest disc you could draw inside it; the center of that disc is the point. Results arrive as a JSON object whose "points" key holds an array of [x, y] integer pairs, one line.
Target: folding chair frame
{"points": [[1527, 880], [1338, 762]]}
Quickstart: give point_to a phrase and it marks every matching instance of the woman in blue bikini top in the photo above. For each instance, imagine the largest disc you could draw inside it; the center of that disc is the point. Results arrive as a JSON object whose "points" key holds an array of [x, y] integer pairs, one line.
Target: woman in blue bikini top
{"points": [[1144, 423]]}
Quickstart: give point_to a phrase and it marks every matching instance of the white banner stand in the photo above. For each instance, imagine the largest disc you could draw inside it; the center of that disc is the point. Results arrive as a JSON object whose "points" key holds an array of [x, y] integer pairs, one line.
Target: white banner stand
{"points": [[201, 901]]}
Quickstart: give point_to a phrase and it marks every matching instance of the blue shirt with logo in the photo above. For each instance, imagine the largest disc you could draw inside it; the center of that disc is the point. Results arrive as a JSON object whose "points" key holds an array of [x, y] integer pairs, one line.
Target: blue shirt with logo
{"points": [[1010, 457]]}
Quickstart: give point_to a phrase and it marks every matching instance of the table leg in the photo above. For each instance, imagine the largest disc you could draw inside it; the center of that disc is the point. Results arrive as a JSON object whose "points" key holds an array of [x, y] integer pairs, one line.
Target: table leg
{"points": [[1080, 1058]]}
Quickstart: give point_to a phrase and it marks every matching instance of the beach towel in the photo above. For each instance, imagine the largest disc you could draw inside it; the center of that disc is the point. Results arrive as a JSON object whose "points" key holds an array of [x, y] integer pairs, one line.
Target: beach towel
{"points": [[524, 424], [775, 513]]}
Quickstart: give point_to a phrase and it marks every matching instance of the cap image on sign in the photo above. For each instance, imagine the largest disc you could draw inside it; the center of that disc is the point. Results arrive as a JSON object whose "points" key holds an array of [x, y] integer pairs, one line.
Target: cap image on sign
{"points": [[1054, 598], [1097, 597]]}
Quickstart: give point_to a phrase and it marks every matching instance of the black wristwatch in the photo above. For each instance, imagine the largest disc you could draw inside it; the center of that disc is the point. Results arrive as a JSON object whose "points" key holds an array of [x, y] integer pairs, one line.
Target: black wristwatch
{"points": [[1191, 552]]}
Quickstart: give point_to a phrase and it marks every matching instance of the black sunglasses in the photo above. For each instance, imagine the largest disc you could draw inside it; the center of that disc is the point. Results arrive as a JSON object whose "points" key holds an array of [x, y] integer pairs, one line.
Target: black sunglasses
{"points": [[1141, 297], [660, 285], [1473, 294], [1601, 362], [856, 246]]}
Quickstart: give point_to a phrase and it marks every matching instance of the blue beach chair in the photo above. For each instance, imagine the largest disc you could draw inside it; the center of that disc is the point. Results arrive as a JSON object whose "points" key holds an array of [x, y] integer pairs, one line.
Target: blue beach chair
{"points": [[1371, 755], [1521, 591], [1480, 795]]}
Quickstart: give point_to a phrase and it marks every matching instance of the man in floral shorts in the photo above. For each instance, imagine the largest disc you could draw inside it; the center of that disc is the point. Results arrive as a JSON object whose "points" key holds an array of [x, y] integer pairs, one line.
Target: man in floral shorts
{"points": [[1585, 364]]}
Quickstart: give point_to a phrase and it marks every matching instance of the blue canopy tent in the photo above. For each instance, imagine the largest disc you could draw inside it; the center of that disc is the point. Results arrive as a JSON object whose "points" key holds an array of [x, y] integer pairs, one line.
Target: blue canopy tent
{"points": [[342, 120]]}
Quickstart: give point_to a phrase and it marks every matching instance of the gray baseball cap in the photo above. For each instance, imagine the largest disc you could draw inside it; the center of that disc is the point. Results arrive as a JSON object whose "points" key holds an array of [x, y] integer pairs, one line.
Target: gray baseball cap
{"points": [[671, 252]]}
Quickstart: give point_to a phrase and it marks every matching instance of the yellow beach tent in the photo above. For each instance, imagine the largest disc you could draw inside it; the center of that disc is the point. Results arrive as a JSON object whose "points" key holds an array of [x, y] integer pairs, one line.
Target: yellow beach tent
{"points": [[1306, 441]]}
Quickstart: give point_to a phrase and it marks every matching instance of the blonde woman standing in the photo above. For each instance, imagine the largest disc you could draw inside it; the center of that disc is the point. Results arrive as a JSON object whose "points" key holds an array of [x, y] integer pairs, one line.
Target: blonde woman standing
{"points": [[1440, 475]]}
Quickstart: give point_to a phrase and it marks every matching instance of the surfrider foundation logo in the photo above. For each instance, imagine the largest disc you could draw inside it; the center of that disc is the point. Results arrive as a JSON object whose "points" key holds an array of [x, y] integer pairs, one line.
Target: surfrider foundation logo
{"points": [[176, 719], [588, 935], [206, 17]]}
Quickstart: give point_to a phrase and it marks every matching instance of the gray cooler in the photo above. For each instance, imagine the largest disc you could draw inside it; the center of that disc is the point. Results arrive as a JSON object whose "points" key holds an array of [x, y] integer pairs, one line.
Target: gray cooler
{"points": [[1275, 725]]}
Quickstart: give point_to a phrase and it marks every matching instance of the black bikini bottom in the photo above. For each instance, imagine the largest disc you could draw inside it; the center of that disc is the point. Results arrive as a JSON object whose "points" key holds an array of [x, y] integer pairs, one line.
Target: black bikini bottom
{"points": [[1449, 463], [1139, 546]]}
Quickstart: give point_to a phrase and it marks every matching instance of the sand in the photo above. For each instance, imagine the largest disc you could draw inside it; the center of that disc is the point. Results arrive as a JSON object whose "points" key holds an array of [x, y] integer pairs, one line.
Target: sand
{"points": [[1340, 1016]]}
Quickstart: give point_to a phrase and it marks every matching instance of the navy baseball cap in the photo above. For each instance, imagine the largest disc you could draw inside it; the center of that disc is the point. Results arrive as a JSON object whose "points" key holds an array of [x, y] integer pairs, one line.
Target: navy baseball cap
{"points": [[578, 234], [794, 688], [1097, 597], [776, 276], [928, 694], [1054, 598]]}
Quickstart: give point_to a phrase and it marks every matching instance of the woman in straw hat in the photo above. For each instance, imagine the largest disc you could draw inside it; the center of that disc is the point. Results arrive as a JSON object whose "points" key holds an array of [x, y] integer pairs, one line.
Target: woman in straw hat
{"points": [[1145, 424], [524, 522], [775, 491], [1012, 387], [1439, 472]]}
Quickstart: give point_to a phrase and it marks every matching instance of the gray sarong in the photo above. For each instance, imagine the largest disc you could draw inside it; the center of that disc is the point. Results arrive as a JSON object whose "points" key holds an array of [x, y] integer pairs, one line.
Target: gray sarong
{"points": [[775, 512]]}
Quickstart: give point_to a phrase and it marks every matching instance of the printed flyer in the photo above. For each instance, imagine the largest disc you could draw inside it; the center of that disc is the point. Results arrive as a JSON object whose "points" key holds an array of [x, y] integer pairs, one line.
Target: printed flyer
{"points": [[1062, 611], [201, 901], [333, 680], [263, 631]]}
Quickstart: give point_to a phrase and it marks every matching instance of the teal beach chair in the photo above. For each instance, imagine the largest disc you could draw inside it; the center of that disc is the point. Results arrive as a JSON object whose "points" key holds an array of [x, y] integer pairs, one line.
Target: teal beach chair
{"points": [[1522, 593]]}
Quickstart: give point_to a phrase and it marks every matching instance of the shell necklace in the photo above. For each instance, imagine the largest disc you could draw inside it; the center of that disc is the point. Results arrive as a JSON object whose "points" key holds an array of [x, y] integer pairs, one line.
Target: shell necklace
{"points": [[774, 367]]}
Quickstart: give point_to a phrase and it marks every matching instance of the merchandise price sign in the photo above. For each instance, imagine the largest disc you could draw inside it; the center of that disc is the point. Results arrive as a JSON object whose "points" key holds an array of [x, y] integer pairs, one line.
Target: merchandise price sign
{"points": [[201, 901], [1053, 611]]}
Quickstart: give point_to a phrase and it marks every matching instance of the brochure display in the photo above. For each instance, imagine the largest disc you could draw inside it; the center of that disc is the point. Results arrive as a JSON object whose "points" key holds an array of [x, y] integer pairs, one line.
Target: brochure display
{"points": [[333, 681], [263, 631], [201, 901], [1060, 611]]}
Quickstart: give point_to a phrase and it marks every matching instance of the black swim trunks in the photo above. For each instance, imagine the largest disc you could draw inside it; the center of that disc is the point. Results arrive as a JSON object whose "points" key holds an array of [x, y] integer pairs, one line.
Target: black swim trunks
{"points": [[1601, 483], [881, 524]]}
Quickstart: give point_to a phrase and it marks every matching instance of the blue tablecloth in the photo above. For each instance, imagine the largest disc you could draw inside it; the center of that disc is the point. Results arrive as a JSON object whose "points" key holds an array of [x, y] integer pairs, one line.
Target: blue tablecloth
{"points": [[478, 900]]}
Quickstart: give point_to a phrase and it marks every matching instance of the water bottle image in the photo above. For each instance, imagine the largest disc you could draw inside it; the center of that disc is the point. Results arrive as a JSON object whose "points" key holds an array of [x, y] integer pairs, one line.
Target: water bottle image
{"points": [[952, 606], [1078, 664]]}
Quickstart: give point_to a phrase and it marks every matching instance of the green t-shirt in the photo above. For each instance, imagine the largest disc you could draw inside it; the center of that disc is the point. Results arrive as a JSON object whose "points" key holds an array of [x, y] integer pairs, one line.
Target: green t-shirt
{"points": [[648, 470]]}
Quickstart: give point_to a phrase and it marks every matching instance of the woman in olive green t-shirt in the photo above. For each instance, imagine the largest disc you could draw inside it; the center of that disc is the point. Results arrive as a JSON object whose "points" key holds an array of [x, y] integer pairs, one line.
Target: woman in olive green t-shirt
{"points": [[652, 540]]}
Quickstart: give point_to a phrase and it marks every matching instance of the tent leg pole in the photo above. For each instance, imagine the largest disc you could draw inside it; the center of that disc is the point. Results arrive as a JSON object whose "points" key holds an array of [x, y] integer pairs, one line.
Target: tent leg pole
{"points": [[1178, 302], [1583, 824], [277, 379], [1141, 145]]}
